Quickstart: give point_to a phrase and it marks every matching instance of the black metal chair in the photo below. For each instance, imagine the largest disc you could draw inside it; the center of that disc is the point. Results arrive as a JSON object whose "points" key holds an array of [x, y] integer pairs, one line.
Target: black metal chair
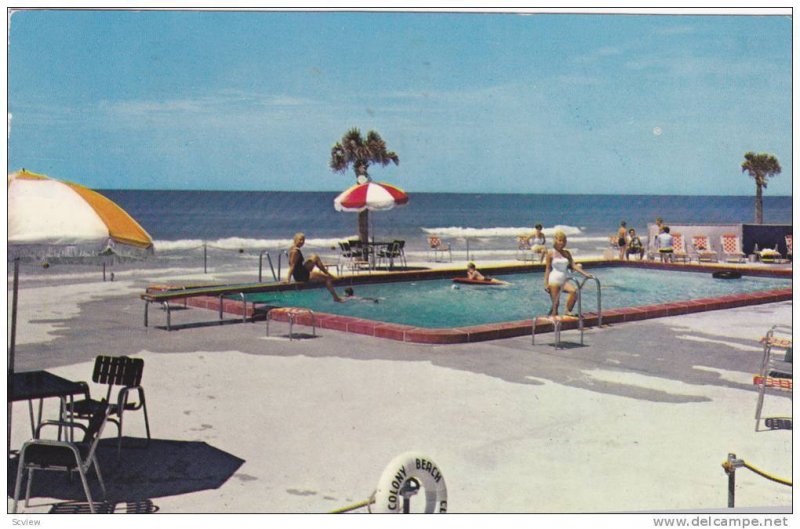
{"points": [[114, 371], [394, 250], [64, 456]]}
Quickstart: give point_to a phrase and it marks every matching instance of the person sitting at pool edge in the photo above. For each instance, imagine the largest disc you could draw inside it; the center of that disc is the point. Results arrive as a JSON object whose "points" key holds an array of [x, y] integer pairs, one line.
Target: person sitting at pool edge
{"points": [[537, 242], [664, 244], [558, 263], [303, 270], [634, 245], [473, 273]]}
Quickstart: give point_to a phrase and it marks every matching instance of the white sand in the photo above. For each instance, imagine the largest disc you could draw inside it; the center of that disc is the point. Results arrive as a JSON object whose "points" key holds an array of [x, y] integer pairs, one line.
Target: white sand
{"points": [[316, 433]]}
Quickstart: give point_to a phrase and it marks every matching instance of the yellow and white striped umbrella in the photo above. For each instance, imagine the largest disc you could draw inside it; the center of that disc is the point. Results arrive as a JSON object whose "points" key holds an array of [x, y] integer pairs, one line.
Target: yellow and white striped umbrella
{"points": [[53, 218]]}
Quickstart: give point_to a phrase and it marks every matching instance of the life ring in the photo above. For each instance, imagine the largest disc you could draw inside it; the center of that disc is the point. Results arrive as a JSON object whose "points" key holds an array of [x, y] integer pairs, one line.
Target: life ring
{"points": [[726, 274], [486, 282], [407, 466]]}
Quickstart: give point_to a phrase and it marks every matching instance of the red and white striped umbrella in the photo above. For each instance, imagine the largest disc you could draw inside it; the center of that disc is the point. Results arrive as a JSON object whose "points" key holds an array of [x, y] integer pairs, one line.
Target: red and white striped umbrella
{"points": [[373, 196]]}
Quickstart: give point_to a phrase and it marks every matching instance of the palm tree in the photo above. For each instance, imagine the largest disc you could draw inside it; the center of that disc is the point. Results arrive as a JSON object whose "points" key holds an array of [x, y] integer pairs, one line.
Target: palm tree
{"points": [[354, 151], [760, 167]]}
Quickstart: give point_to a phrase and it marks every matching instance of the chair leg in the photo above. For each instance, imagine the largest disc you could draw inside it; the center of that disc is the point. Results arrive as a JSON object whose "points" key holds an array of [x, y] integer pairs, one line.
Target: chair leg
{"points": [[86, 488], [119, 432], [146, 421], [28, 488], [99, 476], [18, 485]]}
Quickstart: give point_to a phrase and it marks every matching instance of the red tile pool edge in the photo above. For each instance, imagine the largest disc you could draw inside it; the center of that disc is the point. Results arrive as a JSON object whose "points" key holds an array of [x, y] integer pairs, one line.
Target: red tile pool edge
{"points": [[495, 331]]}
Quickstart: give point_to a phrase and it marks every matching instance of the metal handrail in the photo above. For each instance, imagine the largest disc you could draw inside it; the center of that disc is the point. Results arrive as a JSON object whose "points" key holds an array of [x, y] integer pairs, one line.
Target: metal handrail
{"points": [[269, 261], [599, 298], [579, 290]]}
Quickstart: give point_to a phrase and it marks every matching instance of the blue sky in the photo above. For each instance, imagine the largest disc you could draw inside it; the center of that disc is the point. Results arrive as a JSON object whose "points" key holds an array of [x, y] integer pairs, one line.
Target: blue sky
{"points": [[568, 103]]}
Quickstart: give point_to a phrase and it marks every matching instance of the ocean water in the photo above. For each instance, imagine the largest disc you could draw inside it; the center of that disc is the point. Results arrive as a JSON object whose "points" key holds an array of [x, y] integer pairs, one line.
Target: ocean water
{"points": [[237, 225]]}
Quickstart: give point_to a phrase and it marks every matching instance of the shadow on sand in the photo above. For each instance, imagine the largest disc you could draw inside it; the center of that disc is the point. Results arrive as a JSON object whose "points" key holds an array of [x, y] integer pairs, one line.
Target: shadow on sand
{"points": [[163, 468]]}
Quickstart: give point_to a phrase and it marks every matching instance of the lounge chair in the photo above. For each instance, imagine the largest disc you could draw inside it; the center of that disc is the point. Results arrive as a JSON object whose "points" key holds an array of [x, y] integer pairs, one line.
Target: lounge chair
{"points": [[679, 248], [702, 249], [123, 372], [776, 369], [64, 456], [436, 246], [731, 249]]}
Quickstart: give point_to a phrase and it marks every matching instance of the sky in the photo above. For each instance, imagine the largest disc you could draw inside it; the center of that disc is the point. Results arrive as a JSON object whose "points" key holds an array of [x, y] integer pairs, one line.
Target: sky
{"points": [[471, 102]]}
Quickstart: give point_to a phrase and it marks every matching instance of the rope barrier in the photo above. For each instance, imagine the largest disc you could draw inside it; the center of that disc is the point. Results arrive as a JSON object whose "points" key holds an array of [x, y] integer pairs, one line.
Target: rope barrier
{"points": [[766, 475], [355, 506], [731, 464]]}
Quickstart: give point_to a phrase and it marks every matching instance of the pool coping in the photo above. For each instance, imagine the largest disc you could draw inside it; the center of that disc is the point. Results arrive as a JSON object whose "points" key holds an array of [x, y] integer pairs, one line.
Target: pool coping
{"points": [[509, 329]]}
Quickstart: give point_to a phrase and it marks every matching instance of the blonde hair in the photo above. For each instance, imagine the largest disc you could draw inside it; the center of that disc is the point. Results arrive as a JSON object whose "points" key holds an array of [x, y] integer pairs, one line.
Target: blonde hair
{"points": [[297, 236], [559, 235]]}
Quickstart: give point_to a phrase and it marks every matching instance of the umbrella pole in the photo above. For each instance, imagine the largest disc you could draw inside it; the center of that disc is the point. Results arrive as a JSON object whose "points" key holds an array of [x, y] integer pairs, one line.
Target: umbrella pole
{"points": [[13, 339], [13, 332]]}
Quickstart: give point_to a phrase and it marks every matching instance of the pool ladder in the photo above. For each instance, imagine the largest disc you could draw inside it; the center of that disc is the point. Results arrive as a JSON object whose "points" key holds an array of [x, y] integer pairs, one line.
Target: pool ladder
{"points": [[557, 321], [275, 277]]}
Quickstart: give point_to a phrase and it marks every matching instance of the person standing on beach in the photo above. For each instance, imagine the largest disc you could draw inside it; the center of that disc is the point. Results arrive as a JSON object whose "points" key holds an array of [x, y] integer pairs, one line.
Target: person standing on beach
{"points": [[622, 240], [664, 244], [302, 270], [558, 263]]}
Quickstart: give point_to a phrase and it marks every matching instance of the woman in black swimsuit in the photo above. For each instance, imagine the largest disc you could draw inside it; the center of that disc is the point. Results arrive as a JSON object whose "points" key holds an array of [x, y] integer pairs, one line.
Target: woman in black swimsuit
{"points": [[302, 270]]}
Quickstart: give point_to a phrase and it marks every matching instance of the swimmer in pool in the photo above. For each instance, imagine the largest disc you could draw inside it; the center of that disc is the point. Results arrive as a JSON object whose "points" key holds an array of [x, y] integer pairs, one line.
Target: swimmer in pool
{"points": [[349, 295], [558, 263]]}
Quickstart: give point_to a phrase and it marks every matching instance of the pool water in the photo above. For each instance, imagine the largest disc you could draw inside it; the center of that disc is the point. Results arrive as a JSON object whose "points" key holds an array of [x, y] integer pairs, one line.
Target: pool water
{"points": [[441, 303]]}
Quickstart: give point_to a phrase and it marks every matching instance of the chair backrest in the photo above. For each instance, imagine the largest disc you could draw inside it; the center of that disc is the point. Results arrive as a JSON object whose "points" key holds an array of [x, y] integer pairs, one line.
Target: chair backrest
{"points": [[118, 371], [613, 241], [730, 242], [700, 242], [434, 241], [523, 242], [400, 245], [678, 243], [788, 243]]}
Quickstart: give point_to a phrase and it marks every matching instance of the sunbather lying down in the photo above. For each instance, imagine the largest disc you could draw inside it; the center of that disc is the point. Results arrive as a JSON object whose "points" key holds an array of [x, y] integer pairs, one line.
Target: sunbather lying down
{"points": [[302, 270]]}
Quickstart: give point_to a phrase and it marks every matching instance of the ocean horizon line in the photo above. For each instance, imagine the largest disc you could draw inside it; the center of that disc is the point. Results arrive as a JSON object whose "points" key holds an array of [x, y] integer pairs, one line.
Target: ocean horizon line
{"points": [[460, 193]]}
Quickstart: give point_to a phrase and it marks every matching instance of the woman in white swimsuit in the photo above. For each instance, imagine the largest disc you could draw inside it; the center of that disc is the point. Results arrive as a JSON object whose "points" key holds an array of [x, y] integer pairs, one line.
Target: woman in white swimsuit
{"points": [[558, 263]]}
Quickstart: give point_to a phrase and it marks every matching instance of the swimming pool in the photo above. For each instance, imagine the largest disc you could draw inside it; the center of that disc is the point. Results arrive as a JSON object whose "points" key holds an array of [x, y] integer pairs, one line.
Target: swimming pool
{"points": [[438, 303]]}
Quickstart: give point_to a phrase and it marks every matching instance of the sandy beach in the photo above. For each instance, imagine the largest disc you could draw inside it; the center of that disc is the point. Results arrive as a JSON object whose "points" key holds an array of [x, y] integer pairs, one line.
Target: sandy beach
{"points": [[638, 420]]}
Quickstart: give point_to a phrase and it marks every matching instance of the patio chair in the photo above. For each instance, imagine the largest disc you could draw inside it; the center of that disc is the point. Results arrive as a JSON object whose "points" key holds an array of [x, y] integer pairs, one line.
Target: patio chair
{"points": [[64, 456], [788, 240], [352, 256], [524, 251], [776, 370], [436, 246], [679, 248], [391, 252], [731, 249], [121, 371], [702, 249]]}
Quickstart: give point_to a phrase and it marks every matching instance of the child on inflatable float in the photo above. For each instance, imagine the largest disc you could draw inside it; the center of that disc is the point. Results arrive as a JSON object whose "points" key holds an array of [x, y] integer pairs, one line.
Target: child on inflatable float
{"points": [[474, 277]]}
